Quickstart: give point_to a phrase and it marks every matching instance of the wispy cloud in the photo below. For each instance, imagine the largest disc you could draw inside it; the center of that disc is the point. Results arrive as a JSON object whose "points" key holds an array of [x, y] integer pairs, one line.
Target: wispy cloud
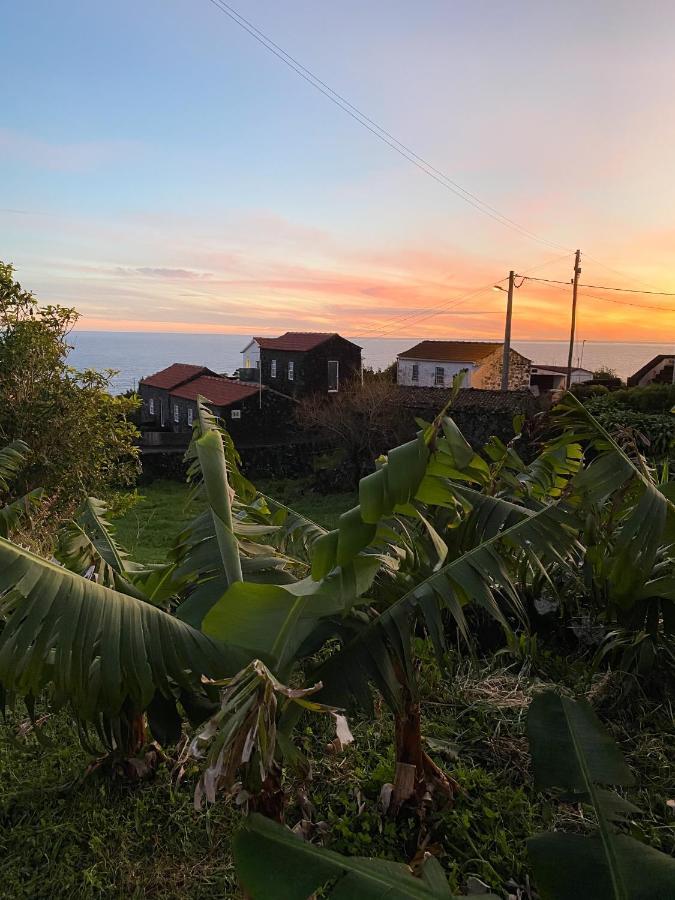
{"points": [[160, 272]]}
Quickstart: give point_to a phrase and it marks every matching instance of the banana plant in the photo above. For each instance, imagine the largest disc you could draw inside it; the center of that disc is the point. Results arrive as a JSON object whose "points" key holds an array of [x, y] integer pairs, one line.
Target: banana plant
{"points": [[12, 460], [571, 752], [627, 521], [271, 861]]}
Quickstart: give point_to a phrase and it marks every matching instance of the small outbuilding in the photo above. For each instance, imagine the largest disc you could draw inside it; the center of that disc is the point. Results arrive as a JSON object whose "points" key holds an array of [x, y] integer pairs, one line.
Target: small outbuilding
{"points": [[545, 378], [660, 370]]}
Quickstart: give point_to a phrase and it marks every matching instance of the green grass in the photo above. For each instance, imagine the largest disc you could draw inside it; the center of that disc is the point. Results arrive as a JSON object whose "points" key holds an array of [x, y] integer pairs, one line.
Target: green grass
{"points": [[148, 529], [63, 835]]}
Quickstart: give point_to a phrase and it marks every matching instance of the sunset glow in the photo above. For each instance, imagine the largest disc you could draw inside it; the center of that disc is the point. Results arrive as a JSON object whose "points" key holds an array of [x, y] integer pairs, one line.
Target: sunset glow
{"points": [[204, 188]]}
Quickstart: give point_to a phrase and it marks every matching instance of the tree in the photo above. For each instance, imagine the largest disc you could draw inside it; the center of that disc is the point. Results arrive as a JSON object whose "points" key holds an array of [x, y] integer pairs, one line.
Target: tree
{"points": [[80, 437], [362, 421]]}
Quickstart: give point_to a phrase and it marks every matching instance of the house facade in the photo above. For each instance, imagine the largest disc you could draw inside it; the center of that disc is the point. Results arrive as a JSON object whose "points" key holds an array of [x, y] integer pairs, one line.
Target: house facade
{"points": [[252, 414], [435, 363], [660, 370], [299, 363], [154, 391], [554, 378]]}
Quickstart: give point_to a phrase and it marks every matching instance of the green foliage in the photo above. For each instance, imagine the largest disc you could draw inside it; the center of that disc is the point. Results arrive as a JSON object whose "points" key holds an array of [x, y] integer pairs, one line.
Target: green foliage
{"points": [[80, 435], [571, 751], [646, 411], [273, 862]]}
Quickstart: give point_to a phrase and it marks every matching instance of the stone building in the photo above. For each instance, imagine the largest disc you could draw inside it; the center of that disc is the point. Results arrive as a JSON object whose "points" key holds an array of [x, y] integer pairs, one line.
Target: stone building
{"points": [[435, 363], [154, 391], [301, 362]]}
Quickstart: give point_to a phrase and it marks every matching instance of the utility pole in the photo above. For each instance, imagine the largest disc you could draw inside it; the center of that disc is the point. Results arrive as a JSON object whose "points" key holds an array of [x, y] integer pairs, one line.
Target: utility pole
{"points": [[575, 283], [506, 360]]}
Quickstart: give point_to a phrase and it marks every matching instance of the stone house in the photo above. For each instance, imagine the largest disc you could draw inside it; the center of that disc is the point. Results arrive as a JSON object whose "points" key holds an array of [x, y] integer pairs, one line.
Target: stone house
{"points": [[154, 391], [254, 415], [299, 363], [435, 363]]}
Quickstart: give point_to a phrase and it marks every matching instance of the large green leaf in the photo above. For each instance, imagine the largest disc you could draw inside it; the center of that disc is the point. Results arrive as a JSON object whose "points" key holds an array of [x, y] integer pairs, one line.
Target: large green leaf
{"points": [[99, 649], [479, 575], [573, 866], [571, 751], [12, 513], [569, 747], [12, 460], [273, 862]]}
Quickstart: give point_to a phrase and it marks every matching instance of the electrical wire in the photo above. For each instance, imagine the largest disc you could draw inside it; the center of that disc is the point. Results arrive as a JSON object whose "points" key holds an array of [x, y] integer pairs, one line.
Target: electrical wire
{"points": [[405, 319], [557, 286], [603, 287], [377, 130]]}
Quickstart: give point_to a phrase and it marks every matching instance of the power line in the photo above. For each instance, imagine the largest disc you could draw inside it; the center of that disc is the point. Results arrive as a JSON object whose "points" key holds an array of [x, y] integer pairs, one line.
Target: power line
{"points": [[377, 130], [407, 317], [556, 285], [603, 287]]}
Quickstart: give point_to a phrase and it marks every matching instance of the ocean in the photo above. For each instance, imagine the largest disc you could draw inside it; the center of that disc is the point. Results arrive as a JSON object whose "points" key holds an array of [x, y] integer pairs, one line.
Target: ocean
{"points": [[136, 354]]}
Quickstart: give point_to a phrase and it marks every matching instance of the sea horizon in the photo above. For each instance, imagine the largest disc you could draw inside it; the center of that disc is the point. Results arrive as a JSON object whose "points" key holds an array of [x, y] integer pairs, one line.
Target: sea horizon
{"points": [[136, 354]]}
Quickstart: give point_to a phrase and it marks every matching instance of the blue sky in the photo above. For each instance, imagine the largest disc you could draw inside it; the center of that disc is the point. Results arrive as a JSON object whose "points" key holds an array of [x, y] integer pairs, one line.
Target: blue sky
{"points": [[161, 170]]}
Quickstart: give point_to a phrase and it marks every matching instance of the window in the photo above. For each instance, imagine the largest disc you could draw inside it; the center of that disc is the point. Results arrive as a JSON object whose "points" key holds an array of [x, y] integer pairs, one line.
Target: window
{"points": [[415, 372], [439, 376], [291, 370], [190, 415], [176, 413], [257, 363], [273, 369], [236, 414], [151, 406], [333, 375]]}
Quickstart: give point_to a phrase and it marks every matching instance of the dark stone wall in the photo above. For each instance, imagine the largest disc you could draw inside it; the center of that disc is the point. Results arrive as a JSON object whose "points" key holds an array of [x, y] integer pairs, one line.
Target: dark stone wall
{"points": [[310, 374], [161, 398], [264, 420]]}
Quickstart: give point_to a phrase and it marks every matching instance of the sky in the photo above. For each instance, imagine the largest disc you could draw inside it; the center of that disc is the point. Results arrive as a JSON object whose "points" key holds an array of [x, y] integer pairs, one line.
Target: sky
{"points": [[162, 171]]}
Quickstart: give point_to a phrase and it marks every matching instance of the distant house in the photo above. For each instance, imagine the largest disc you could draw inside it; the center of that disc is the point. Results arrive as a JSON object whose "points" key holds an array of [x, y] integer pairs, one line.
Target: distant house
{"points": [[435, 363], [301, 362], [154, 391], [251, 413], [660, 370], [554, 378]]}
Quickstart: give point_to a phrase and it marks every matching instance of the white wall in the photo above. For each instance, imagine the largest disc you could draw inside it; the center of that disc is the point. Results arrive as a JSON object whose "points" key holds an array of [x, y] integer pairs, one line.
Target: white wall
{"points": [[427, 371], [250, 358]]}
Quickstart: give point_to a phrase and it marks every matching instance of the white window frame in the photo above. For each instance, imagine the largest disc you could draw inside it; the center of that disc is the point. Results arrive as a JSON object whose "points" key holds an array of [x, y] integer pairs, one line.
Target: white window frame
{"points": [[337, 376], [151, 406], [415, 374], [439, 373], [291, 370], [235, 414], [190, 415], [273, 368], [176, 413]]}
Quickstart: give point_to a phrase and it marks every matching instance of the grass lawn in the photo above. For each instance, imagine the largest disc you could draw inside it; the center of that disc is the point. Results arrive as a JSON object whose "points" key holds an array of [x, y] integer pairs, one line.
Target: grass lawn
{"points": [[148, 529]]}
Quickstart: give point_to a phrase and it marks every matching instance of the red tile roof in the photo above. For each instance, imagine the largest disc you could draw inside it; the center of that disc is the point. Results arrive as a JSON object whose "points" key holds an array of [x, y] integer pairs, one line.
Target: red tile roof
{"points": [[296, 340], [452, 351], [174, 375], [219, 391]]}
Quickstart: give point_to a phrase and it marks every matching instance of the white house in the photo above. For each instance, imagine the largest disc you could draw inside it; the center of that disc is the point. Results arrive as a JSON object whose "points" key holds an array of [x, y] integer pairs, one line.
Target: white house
{"points": [[554, 378], [435, 363]]}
